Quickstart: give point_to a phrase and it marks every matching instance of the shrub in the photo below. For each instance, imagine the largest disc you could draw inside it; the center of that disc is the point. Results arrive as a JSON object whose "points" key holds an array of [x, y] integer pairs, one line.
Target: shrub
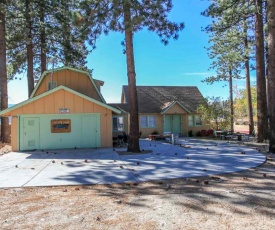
{"points": [[155, 132], [190, 133], [203, 132]]}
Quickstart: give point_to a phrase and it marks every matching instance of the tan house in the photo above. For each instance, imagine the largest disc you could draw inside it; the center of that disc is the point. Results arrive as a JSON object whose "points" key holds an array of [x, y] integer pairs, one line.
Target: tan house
{"points": [[65, 110], [162, 109]]}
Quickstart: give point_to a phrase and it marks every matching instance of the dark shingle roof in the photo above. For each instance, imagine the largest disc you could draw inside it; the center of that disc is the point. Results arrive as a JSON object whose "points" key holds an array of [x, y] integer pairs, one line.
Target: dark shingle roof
{"points": [[155, 99], [124, 108]]}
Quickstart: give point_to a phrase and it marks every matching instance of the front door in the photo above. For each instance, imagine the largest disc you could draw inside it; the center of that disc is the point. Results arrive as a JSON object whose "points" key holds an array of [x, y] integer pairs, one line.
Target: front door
{"points": [[168, 123], [176, 123], [172, 123], [30, 134]]}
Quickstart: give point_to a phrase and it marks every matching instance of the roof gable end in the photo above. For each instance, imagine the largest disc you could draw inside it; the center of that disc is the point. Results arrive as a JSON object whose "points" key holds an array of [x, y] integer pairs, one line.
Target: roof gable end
{"points": [[45, 73], [171, 105]]}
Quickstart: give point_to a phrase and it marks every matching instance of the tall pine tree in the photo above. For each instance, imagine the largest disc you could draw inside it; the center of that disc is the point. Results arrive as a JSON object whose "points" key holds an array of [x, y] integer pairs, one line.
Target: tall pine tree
{"points": [[5, 135], [260, 71], [271, 71], [238, 14], [128, 17]]}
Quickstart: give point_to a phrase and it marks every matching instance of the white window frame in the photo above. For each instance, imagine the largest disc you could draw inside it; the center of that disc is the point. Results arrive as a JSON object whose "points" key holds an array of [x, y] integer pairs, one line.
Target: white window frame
{"points": [[190, 121], [193, 119], [119, 123], [148, 121]]}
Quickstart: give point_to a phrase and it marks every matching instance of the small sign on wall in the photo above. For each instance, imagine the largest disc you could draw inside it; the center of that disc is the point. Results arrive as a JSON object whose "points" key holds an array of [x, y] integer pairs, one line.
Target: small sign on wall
{"points": [[64, 110], [61, 126]]}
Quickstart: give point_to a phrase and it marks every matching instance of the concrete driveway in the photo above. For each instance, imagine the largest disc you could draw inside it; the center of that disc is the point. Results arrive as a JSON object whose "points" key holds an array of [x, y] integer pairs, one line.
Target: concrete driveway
{"points": [[104, 166]]}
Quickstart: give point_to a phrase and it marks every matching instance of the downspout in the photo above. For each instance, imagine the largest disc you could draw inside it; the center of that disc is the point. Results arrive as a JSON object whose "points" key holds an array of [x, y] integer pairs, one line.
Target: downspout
{"points": [[52, 75]]}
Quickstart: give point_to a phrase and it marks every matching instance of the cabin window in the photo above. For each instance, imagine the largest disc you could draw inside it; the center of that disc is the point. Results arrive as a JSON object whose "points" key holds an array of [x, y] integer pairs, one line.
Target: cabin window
{"points": [[118, 124], [61, 126], [52, 84], [194, 120], [148, 121]]}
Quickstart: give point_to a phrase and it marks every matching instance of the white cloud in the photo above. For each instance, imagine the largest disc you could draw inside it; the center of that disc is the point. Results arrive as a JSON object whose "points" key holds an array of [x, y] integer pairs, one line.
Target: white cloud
{"points": [[199, 73]]}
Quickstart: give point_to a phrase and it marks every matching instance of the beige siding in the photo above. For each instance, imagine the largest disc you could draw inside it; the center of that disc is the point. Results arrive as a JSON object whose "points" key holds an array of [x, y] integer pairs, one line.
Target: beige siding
{"points": [[195, 129], [159, 125], [184, 127], [14, 134], [176, 109], [106, 124], [79, 82]]}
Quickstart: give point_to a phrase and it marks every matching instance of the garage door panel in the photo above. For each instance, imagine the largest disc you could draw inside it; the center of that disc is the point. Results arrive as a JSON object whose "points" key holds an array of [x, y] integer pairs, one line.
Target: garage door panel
{"points": [[90, 131], [84, 133], [50, 140]]}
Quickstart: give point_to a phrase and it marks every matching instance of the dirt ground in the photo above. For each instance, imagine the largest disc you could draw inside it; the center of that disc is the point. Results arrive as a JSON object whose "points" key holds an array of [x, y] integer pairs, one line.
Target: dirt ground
{"points": [[4, 148], [244, 200]]}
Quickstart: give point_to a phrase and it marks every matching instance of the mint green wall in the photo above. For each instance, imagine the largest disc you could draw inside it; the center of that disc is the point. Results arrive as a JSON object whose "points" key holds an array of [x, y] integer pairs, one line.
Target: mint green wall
{"points": [[85, 132]]}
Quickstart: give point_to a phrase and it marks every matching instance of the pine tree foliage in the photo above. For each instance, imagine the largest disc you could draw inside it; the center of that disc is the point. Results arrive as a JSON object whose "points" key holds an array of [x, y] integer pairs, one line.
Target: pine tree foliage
{"points": [[227, 34], [55, 32], [229, 13], [227, 56], [67, 34], [107, 15]]}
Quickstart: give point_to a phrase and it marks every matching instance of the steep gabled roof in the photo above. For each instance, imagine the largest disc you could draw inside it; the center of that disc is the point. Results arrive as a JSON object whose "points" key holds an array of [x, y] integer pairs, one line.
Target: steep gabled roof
{"points": [[157, 99], [71, 69], [61, 87]]}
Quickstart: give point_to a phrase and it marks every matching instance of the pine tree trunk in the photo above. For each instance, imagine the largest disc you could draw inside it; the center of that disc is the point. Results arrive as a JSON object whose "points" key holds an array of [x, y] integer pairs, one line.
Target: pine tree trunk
{"points": [[29, 49], [66, 33], [43, 39], [5, 134], [133, 100], [249, 98], [231, 101], [247, 76], [260, 71], [271, 72]]}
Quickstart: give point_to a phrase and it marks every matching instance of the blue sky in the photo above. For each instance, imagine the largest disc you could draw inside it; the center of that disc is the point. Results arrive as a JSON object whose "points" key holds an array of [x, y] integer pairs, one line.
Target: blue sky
{"points": [[183, 62]]}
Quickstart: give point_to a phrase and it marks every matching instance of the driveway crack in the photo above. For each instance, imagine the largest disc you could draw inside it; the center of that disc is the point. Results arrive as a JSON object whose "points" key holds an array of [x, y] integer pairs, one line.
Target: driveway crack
{"points": [[37, 174]]}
